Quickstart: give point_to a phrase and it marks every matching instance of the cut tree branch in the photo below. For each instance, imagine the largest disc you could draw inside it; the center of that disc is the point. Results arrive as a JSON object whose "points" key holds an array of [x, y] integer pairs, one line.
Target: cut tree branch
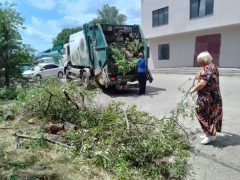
{"points": [[70, 99], [49, 102], [127, 122], [18, 136], [172, 119], [83, 100]]}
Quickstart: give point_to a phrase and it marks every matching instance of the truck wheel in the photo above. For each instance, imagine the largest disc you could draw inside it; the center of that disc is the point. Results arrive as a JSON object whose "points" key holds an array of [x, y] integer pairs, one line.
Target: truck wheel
{"points": [[85, 79], [60, 74], [68, 75]]}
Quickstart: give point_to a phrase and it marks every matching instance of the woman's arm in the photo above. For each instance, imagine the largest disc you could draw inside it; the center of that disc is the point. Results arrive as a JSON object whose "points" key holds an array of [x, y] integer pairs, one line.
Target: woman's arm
{"points": [[199, 86]]}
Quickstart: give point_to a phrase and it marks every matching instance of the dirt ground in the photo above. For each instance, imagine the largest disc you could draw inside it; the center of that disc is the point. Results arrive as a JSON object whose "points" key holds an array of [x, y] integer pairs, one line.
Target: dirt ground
{"points": [[219, 160]]}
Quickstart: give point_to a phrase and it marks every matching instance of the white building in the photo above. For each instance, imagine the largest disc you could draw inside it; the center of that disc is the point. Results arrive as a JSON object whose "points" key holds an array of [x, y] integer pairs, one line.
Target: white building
{"points": [[178, 30]]}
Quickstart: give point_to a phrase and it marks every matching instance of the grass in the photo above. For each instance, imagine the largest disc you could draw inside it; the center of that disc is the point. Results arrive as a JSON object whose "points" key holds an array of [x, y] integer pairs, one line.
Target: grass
{"points": [[38, 159]]}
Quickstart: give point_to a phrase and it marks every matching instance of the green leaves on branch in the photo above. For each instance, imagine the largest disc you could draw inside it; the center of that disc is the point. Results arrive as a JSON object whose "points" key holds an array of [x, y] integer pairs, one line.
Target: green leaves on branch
{"points": [[48, 100], [126, 58], [124, 141], [12, 51], [135, 46], [123, 63], [130, 143]]}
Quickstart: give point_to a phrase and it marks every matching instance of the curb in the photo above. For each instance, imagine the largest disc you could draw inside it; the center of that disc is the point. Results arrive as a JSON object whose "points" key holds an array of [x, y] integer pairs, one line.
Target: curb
{"points": [[193, 71]]}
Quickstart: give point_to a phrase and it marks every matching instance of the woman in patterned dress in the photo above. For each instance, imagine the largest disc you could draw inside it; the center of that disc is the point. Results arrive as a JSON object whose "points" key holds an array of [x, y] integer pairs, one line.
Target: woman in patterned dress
{"points": [[209, 102]]}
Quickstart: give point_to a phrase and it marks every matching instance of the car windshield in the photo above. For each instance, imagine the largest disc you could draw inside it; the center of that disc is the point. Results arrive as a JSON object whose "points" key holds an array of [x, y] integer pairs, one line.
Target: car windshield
{"points": [[37, 67]]}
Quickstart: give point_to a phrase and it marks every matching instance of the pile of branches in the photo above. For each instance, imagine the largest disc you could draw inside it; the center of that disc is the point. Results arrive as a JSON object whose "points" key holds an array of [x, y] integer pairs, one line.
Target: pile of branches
{"points": [[125, 56], [56, 101], [130, 143], [123, 140]]}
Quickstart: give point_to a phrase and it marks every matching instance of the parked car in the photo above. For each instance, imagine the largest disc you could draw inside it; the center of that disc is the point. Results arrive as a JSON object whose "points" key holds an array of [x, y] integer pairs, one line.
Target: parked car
{"points": [[44, 70], [24, 67]]}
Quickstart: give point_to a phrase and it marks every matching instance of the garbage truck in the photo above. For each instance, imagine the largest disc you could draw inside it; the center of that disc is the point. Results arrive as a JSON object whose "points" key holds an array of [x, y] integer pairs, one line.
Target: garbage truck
{"points": [[88, 54]]}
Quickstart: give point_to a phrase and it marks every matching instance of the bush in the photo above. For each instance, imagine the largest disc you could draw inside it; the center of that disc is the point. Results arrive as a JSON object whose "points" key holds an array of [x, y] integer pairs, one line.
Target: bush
{"points": [[8, 93]]}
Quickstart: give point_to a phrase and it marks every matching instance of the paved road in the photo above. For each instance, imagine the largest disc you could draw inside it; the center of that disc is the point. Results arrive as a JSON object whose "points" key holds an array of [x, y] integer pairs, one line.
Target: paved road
{"points": [[218, 161]]}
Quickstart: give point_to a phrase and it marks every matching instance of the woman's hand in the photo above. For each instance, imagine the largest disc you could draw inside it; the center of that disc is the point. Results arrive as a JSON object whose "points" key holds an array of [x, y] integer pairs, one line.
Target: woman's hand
{"points": [[202, 83], [192, 90]]}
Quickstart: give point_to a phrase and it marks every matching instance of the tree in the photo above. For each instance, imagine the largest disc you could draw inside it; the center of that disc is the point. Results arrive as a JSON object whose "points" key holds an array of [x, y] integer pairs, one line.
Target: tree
{"points": [[12, 50], [63, 37], [109, 15]]}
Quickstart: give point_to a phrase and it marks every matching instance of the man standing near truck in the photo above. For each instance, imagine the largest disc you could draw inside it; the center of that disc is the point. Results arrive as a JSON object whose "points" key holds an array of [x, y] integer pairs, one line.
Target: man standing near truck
{"points": [[142, 73]]}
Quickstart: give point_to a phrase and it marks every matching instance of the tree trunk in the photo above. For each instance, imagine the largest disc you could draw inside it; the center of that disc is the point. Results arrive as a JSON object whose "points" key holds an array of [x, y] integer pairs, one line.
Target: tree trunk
{"points": [[7, 73], [7, 64]]}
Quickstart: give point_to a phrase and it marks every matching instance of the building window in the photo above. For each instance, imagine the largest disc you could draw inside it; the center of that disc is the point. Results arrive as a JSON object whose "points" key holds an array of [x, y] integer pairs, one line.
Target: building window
{"points": [[160, 17], [163, 52], [200, 8]]}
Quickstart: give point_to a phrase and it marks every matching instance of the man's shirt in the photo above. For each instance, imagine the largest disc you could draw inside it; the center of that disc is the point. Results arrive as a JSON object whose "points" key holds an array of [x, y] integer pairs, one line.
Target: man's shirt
{"points": [[141, 65]]}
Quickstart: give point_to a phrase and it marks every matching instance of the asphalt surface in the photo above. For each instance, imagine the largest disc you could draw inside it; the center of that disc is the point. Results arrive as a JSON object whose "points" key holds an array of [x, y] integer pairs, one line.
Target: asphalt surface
{"points": [[219, 160]]}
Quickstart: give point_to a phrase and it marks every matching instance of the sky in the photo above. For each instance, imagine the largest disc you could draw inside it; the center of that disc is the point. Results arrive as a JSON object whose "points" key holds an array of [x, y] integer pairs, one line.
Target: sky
{"points": [[44, 19]]}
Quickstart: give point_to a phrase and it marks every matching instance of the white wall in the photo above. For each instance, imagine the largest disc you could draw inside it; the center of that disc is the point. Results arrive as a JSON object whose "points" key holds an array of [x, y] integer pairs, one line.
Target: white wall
{"points": [[181, 51], [182, 47], [230, 49], [226, 12]]}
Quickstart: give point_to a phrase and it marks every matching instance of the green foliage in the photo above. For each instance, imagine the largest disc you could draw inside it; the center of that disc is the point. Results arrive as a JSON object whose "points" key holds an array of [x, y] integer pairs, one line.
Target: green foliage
{"points": [[109, 15], [125, 63], [124, 141], [47, 99], [133, 150], [63, 37], [12, 50], [186, 107], [39, 143], [8, 93], [135, 46], [7, 161], [179, 168]]}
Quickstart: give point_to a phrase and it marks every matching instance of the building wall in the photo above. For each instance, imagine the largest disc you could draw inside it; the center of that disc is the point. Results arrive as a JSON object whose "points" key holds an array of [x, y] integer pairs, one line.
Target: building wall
{"points": [[230, 49], [182, 48], [225, 13]]}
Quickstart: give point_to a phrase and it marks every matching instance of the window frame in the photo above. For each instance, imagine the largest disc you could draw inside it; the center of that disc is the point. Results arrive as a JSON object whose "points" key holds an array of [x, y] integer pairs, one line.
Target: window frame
{"points": [[160, 46], [160, 13], [54, 66], [50, 66], [198, 10]]}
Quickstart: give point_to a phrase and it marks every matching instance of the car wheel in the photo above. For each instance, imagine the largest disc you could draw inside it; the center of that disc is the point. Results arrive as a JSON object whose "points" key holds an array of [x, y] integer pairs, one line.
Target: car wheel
{"points": [[38, 77], [60, 74]]}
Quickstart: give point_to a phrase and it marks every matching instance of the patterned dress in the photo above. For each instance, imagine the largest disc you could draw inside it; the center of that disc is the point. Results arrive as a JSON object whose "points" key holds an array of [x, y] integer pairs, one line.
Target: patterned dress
{"points": [[209, 102]]}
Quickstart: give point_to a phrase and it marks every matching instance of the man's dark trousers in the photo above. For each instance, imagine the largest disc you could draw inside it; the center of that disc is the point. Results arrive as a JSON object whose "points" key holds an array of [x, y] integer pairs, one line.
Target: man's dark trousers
{"points": [[142, 78]]}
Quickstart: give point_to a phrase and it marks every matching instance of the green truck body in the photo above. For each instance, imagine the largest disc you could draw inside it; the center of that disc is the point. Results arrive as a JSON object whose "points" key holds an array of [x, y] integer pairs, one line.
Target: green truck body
{"points": [[88, 53]]}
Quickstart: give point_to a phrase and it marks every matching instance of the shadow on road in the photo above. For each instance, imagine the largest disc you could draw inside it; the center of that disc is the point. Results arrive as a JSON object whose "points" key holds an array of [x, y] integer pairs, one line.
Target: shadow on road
{"points": [[224, 139], [227, 139], [132, 90]]}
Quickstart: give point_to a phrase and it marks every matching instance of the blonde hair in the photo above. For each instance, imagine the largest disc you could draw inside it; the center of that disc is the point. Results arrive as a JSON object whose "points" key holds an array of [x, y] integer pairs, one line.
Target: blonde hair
{"points": [[204, 57]]}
